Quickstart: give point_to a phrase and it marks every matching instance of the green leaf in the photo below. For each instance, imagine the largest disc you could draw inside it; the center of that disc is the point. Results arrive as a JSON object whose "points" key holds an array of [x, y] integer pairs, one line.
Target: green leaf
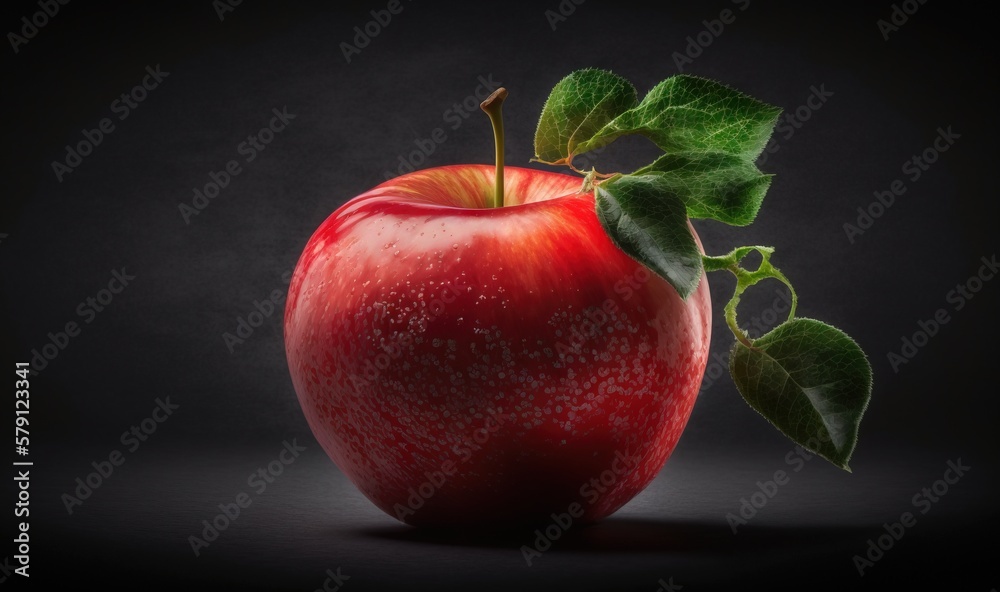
{"points": [[647, 221], [811, 381], [689, 114], [578, 106], [714, 185]]}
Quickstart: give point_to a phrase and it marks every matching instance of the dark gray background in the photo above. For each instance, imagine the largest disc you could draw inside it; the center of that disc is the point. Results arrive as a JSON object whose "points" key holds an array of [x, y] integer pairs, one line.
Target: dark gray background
{"points": [[163, 335]]}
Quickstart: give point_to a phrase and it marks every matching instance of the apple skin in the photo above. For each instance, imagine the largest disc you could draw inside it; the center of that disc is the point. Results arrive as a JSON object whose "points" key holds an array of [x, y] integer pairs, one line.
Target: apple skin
{"points": [[466, 365]]}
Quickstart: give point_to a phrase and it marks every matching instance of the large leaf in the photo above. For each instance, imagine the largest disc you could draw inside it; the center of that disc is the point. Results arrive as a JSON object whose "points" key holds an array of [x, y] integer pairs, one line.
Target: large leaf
{"points": [[650, 224], [811, 381], [577, 108], [686, 114], [713, 185]]}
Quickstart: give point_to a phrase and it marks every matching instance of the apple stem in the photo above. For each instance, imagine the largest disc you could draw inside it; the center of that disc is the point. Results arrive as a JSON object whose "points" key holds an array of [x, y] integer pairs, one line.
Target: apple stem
{"points": [[493, 107]]}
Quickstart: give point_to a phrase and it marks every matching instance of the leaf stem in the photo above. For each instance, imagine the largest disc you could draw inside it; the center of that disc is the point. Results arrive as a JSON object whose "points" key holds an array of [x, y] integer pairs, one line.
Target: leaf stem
{"points": [[730, 309], [745, 279], [493, 106]]}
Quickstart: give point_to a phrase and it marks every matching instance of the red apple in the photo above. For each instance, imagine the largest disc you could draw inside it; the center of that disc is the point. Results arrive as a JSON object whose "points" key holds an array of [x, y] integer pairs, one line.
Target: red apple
{"points": [[466, 364]]}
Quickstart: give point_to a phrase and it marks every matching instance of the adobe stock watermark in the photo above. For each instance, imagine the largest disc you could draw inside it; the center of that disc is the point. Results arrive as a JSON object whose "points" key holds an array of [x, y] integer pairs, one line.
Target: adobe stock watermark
{"points": [[464, 452], [594, 319], [250, 148], [123, 106], [334, 581], [957, 297], [87, 310], [6, 569], [792, 121], [262, 310], [31, 25], [363, 35], [923, 501], [563, 11], [766, 490], [899, 16], [454, 116], [258, 481], [668, 585], [400, 343], [713, 29], [589, 158], [224, 6], [104, 468], [758, 325], [590, 491], [913, 168]]}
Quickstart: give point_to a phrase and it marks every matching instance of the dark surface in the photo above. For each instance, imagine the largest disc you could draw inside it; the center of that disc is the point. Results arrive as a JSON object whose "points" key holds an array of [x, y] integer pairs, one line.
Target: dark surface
{"points": [[162, 336], [312, 519]]}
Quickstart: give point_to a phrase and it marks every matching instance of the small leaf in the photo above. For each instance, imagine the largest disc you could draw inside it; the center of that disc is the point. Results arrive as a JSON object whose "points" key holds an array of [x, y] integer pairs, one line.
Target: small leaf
{"points": [[647, 221], [811, 380], [714, 185], [578, 106], [690, 114]]}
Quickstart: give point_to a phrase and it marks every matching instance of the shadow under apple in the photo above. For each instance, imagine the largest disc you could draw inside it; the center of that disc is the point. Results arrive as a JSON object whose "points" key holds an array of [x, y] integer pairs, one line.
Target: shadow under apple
{"points": [[633, 535]]}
